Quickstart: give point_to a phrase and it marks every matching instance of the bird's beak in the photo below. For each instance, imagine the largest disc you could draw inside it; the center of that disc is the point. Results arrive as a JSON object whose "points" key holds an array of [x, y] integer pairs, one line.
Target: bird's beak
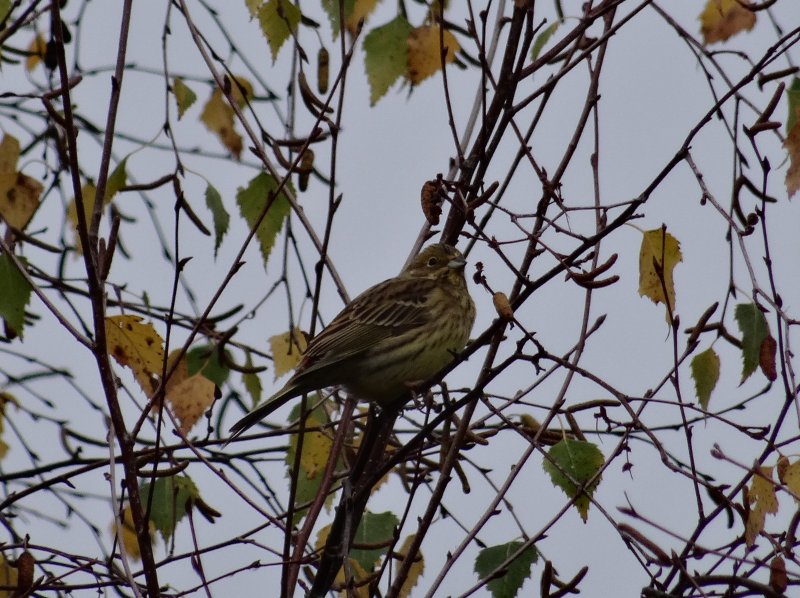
{"points": [[457, 263]]}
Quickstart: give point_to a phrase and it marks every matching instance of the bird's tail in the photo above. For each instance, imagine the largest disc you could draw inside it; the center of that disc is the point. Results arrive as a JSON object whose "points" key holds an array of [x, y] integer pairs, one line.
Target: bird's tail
{"points": [[275, 402]]}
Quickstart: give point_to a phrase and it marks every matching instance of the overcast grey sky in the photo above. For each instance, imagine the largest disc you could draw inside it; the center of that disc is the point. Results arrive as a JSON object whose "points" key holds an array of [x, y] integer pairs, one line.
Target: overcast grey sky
{"points": [[652, 93]]}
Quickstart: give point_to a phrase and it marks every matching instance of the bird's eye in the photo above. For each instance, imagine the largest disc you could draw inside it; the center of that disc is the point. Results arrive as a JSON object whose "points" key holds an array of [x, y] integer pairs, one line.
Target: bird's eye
{"points": [[433, 261]]}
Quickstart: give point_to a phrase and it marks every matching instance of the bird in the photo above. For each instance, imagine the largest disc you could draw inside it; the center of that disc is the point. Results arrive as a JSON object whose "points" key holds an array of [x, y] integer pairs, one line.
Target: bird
{"points": [[392, 337]]}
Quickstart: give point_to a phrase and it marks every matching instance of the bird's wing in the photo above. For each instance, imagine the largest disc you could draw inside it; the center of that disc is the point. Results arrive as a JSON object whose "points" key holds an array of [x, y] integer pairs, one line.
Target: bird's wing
{"points": [[385, 310]]}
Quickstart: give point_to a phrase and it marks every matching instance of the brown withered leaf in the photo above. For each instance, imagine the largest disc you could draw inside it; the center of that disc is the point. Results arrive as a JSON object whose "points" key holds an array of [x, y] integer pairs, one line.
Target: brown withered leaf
{"points": [[766, 358], [503, 306], [792, 145], [431, 202], [778, 580]]}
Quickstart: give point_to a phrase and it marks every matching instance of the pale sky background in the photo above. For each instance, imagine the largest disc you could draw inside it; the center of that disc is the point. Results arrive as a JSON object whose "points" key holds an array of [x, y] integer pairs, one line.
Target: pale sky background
{"points": [[652, 93]]}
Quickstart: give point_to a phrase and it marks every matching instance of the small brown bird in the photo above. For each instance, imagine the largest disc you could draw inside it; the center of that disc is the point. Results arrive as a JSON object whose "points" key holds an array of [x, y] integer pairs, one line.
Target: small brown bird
{"points": [[394, 335]]}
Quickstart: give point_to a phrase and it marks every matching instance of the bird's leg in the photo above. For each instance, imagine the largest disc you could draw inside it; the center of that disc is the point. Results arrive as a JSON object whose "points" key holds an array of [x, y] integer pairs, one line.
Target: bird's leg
{"points": [[420, 401]]}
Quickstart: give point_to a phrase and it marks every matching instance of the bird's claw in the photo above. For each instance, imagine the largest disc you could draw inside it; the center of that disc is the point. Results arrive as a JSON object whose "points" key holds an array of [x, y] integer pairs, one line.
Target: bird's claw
{"points": [[421, 401]]}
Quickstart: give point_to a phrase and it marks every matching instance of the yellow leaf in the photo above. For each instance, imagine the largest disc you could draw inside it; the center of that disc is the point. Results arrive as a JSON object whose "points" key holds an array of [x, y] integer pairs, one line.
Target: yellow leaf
{"points": [[316, 448], [190, 399], [791, 478], [19, 194], [763, 501], [358, 586], [127, 535], [5, 398], [88, 191], [792, 145], [315, 452], [322, 537], [357, 571], [722, 19], [180, 373], [19, 202], [416, 571], [218, 117], [424, 52], [138, 346], [8, 576], [188, 396], [781, 466], [658, 256], [9, 154], [530, 423], [7, 182], [287, 349], [242, 92], [361, 10], [116, 181], [37, 49]]}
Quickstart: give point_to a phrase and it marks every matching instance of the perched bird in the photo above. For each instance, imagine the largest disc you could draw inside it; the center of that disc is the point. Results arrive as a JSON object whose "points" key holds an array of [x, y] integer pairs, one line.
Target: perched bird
{"points": [[394, 335]]}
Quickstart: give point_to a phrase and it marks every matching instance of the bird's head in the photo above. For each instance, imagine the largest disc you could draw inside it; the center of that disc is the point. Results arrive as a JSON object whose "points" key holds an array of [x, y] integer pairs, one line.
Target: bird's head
{"points": [[437, 261]]}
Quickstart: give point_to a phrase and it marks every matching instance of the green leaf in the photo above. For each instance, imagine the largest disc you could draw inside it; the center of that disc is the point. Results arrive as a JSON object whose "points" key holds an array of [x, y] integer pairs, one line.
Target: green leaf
{"points": [[253, 6], [705, 373], [221, 216], [252, 382], [184, 96], [576, 460], [332, 8], [386, 56], [15, 293], [251, 202], [753, 326], [116, 180], [204, 359], [793, 99], [513, 575], [375, 529], [543, 38], [278, 19], [171, 495], [5, 8]]}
